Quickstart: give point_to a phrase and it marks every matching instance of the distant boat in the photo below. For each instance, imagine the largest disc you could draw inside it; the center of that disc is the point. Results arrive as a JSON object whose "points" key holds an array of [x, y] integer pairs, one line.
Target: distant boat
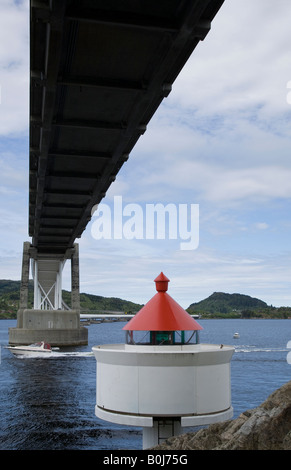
{"points": [[236, 335]]}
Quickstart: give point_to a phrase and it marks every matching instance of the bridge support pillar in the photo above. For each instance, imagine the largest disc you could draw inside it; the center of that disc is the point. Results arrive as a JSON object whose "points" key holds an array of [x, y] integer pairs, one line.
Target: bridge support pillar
{"points": [[50, 320]]}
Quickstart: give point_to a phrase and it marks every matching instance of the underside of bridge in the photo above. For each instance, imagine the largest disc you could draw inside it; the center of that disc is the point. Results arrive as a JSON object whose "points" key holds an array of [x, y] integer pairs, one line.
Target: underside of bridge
{"points": [[98, 72]]}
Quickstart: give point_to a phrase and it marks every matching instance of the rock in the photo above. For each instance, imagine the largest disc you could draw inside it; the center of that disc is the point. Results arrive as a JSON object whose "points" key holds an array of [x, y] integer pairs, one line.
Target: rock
{"points": [[267, 427]]}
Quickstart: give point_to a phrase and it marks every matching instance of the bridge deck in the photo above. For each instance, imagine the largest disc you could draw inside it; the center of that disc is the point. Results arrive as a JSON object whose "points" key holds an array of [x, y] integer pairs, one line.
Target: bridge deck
{"points": [[99, 71]]}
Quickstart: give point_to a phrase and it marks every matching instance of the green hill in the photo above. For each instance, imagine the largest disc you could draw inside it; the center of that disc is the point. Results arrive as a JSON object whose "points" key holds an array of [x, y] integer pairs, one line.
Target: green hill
{"points": [[9, 300], [9, 297], [222, 303]]}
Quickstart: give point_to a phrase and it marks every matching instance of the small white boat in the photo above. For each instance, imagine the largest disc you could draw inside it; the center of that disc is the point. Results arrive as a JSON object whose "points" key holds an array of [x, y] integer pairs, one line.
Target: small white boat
{"points": [[236, 335], [37, 349]]}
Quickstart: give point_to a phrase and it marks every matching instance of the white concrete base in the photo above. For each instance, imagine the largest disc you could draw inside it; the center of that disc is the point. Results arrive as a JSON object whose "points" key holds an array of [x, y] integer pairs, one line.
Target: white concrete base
{"points": [[163, 389], [183, 380]]}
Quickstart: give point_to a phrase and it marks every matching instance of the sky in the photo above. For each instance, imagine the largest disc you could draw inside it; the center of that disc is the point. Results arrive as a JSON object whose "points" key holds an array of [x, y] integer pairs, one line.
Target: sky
{"points": [[220, 142]]}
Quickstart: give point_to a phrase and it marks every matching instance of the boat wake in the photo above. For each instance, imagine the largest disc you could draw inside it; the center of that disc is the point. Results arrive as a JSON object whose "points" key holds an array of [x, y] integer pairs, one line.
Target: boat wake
{"points": [[252, 349], [58, 355]]}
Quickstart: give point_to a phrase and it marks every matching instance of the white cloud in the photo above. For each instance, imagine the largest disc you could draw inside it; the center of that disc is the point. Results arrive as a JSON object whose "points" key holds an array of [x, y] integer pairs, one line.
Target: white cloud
{"points": [[254, 166], [14, 66], [243, 62], [261, 225]]}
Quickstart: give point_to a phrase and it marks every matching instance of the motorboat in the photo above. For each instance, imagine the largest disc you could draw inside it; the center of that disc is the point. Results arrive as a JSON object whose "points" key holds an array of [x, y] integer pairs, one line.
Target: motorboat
{"points": [[236, 335], [37, 349]]}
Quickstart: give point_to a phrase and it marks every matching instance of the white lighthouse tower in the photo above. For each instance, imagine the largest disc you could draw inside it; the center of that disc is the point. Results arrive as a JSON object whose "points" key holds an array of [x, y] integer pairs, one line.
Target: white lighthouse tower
{"points": [[161, 379]]}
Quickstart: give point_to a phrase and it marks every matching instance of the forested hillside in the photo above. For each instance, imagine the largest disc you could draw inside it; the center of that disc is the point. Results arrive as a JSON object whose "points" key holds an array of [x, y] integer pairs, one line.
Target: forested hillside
{"points": [[222, 305], [9, 300]]}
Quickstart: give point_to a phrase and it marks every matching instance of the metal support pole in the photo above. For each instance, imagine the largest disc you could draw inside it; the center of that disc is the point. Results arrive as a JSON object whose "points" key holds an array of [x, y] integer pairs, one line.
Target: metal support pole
{"points": [[24, 276], [58, 287], [75, 294], [36, 294]]}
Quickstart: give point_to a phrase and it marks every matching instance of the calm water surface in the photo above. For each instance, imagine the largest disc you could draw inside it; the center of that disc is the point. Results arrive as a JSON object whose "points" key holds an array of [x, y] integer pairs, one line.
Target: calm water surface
{"points": [[48, 404]]}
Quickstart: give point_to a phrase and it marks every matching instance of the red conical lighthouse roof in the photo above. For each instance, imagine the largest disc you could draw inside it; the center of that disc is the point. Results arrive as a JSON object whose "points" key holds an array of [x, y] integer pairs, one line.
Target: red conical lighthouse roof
{"points": [[162, 313]]}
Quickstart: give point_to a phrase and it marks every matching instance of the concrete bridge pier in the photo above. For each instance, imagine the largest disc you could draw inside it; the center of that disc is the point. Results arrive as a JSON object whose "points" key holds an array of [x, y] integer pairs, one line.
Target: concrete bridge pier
{"points": [[50, 320]]}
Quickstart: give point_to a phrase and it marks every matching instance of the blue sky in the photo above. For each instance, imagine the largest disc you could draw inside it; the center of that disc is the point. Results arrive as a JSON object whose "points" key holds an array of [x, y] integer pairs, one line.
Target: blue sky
{"points": [[221, 139]]}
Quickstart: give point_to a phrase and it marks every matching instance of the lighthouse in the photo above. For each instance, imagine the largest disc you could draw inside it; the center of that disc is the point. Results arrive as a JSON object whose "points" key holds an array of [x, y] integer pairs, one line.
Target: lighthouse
{"points": [[162, 378]]}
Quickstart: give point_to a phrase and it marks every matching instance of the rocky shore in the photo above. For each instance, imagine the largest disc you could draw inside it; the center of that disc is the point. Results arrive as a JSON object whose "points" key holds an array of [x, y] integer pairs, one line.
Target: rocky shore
{"points": [[267, 427]]}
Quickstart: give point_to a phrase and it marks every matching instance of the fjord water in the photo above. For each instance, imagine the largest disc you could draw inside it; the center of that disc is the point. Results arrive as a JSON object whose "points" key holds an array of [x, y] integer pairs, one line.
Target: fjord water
{"points": [[48, 403]]}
